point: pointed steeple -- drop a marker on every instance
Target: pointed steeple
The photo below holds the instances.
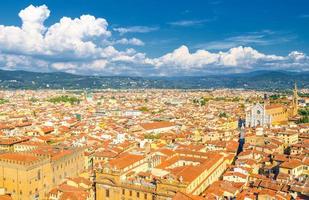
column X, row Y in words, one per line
column 295, row 100
column 85, row 95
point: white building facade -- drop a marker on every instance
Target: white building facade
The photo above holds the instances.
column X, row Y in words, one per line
column 256, row 116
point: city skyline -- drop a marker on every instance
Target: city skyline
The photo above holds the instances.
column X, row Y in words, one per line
column 154, row 100
column 145, row 38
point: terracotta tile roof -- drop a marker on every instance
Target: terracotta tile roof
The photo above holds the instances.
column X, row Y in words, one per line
column 232, row 146
column 106, row 154
column 219, row 187
column 19, row 157
column 47, row 129
column 23, row 124
column 11, row 141
column 53, row 191
column 156, row 125
column 231, row 173
column 273, row 106
column 53, row 152
column 125, row 160
column 185, row 196
column 190, row 172
column 74, row 196
column 167, row 152
column 81, row 180
column 170, row 161
column 5, row 197
column 68, row 188
column 31, row 143
column 291, row 164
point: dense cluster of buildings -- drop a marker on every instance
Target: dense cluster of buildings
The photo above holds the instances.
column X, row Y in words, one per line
column 152, row 145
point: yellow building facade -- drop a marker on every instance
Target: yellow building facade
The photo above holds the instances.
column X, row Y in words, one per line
column 33, row 175
column 111, row 184
column 279, row 114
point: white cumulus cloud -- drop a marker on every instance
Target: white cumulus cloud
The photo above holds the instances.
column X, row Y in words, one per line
column 79, row 43
column 237, row 56
column 131, row 41
column 85, row 45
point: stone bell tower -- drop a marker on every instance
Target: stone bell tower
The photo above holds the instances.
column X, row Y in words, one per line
column 294, row 109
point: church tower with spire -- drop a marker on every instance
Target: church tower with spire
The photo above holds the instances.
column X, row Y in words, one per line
column 294, row 108
column 85, row 96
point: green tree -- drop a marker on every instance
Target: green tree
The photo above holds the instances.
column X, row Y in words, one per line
column 223, row 114
column 143, row 109
column 3, row 101
column 33, row 99
column 65, row 99
column 304, row 112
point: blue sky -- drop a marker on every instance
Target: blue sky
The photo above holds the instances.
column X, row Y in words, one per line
column 140, row 37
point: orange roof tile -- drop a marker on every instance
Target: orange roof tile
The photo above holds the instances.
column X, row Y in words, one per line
column 185, row 196
column 19, row 157
column 5, row 197
column 156, row 125
column 291, row 164
column 125, row 160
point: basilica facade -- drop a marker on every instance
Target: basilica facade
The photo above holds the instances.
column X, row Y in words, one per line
column 257, row 116
column 271, row 114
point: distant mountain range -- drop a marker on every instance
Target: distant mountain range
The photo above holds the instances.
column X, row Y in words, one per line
column 264, row 80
